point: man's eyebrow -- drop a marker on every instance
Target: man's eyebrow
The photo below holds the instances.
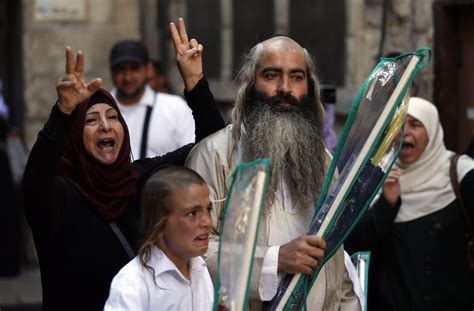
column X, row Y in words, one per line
column 275, row 69
column 279, row 69
column 297, row 70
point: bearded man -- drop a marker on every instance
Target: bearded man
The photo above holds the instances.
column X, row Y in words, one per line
column 278, row 115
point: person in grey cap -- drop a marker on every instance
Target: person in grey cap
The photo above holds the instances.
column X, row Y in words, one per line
column 158, row 122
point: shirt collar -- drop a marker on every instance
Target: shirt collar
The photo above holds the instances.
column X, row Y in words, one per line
column 147, row 98
column 161, row 263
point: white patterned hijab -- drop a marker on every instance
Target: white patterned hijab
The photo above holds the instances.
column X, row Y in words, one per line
column 425, row 184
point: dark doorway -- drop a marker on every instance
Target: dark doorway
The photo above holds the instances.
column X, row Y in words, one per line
column 454, row 68
column 320, row 27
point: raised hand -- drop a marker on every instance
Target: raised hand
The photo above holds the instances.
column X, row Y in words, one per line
column 72, row 89
column 391, row 186
column 188, row 55
column 302, row 255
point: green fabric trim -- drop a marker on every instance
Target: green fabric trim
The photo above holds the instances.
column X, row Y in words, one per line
column 366, row 275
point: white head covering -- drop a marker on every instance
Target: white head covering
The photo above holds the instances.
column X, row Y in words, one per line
column 425, row 184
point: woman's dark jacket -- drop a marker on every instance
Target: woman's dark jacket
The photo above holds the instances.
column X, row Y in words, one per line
column 419, row 264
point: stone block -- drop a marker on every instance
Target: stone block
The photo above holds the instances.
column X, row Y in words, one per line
column 423, row 19
column 401, row 8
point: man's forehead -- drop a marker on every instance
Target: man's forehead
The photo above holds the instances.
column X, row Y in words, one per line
column 292, row 59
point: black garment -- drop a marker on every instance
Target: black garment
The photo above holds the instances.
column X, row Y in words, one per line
column 9, row 215
column 419, row 264
column 78, row 252
column 470, row 149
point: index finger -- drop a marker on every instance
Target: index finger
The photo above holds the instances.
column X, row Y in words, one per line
column 394, row 173
column 182, row 31
column 69, row 60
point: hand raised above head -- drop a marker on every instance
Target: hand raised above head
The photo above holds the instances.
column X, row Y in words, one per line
column 72, row 89
column 188, row 55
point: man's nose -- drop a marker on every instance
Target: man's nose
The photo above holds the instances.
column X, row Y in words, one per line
column 127, row 75
column 284, row 85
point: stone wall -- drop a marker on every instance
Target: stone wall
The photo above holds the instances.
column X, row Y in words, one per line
column 44, row 45
column 408, row 27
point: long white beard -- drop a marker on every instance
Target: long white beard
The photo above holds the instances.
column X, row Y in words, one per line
column 293, row 141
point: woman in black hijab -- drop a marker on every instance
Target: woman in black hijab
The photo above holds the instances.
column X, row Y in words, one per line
column 81, row 187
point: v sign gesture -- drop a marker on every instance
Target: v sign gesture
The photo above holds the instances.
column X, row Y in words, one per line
column 72, row 89
column 188, row 55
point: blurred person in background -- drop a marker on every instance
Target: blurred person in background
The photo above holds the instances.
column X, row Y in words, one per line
column 158, row 122
column 328, row 99
column 9, row 209
column 158, row 81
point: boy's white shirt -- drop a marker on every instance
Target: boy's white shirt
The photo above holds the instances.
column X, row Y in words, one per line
column 133, row 287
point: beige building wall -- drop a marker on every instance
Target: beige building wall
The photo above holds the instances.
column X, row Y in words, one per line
column 44, row 42
column 409, row 26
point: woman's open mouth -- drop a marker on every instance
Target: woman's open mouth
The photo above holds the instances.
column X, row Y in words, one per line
column 106, row 143
column 407, row 149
